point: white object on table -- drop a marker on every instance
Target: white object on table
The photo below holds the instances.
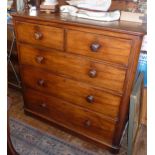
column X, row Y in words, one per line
column 101, row 16
column 99, row 5
column 50, row 2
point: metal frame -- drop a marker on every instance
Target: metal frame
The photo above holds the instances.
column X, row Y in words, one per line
column 18, row 85
column 134, row 115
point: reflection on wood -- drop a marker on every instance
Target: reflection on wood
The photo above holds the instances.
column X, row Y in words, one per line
column 140, row 146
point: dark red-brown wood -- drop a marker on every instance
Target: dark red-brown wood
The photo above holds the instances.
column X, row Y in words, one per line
column 83, row 69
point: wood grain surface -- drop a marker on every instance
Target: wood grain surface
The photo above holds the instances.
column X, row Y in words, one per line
column 91, row 88
column 40, row 35
column 77, row 68
column 75, row 118
column 73, row 92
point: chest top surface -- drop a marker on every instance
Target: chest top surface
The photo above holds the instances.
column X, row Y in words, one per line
column 132, row 28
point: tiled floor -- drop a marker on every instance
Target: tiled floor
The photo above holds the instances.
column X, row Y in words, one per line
column 16, row 111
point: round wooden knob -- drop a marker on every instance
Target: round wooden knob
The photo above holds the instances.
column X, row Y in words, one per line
column 87, row 123
column 38, row 35
column 95, row 47
column 40, row 59
column 43, row 105
column 92, row 73
column 41, row 82
column 90, row 99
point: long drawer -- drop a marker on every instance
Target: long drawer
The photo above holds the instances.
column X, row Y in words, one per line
column 40, row 35
column 79, row 120
column 102, row 47
column 71, row 91
column 79, row 68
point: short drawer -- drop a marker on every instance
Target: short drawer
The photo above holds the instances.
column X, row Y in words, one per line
column 40, row 35
column 85, row 70
column 99, row 46
column 70, row 116
column 72, row 91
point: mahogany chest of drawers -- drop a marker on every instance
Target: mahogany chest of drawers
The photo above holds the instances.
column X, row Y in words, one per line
column 78, row 73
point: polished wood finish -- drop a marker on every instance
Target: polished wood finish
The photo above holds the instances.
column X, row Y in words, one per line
column 124, row 108
column 83, row 121
column 40, row 35
column 16, row 111
column 75, row 67
column 72, row 91
column 97, row 46
column 82, row 69
column 121, row 29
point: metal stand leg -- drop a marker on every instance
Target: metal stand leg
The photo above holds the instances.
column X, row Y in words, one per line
column 11, row 64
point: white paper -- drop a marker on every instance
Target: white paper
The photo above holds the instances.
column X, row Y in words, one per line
column 101, row 16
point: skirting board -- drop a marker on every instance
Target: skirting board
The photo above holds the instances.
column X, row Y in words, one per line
column 133, row 17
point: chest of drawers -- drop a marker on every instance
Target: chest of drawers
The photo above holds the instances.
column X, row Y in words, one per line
column 78, row 73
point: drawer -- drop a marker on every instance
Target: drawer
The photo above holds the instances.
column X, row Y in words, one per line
column 40, row 35
column 71, row 91
column 99, row 46
column 79, row 68
column 87, row 123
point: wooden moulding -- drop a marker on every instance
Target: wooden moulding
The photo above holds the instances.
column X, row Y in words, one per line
column 131, row 32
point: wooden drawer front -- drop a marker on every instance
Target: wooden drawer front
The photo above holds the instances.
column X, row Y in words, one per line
column 73, row 92
column 40, row 35
column 98, row 46
column 75, row 118
column 85, row 70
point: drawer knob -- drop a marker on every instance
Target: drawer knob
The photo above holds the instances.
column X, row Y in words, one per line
column 41, row 82
column 38, row 35
column 95, row 47
column 92, row 73
column 90, row 98
column 43, row 105
column 40, row 59
column 87, row 123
